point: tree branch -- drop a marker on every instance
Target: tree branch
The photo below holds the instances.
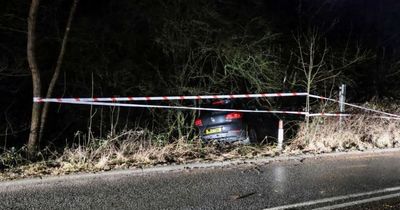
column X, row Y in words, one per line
column 57, row 69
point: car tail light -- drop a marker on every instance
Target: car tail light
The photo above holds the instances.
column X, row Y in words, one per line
column 234, row 116
column 198, row 122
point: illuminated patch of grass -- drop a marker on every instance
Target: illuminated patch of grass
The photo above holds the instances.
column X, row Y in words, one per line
column 131, row 149
column 354, row 133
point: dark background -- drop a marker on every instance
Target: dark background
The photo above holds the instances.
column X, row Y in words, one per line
column 141, row 48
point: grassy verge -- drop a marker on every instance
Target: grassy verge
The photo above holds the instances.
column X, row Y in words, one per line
column 354, row 133
column 130, row 149
column 140, row 148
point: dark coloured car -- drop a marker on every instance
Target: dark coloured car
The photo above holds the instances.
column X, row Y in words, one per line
column 232, row 127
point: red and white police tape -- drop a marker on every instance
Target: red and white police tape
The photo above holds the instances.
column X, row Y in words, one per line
column 355, row 106
column 182, row 107
column 169, row 98
column 106, row 102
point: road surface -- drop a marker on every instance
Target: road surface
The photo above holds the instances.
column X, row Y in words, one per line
column 344, row 182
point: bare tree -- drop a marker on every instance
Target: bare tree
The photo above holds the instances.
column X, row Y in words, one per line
column 320, row 63
column 39, row 115
column 312, row 59
column 57, row 69
column 36, row 83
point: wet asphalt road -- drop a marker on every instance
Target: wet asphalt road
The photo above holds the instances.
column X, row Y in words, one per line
column 248, row 186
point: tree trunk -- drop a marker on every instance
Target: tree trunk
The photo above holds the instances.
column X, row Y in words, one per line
column 36, row 84
column 57, row 69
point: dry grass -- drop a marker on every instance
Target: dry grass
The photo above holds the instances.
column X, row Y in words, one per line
column 355, row 133
column 141, row 148
column 130, row 149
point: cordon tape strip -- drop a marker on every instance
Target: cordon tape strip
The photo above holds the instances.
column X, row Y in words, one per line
column 183, row 107
column 169, row 98
column 356, row 106
column 105, row 102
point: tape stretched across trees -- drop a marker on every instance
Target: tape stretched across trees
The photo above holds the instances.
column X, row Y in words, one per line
column 355, row 106
column 182, row 107
column 169, row 98
column 112, row 101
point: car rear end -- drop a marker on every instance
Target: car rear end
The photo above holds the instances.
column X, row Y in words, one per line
column 222, row 126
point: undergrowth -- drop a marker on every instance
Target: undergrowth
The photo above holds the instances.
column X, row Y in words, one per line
column 142, row 148
column 358, row 132
column 129, row 149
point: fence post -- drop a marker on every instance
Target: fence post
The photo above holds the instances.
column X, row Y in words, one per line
column 342, row 100
column 280, row 135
